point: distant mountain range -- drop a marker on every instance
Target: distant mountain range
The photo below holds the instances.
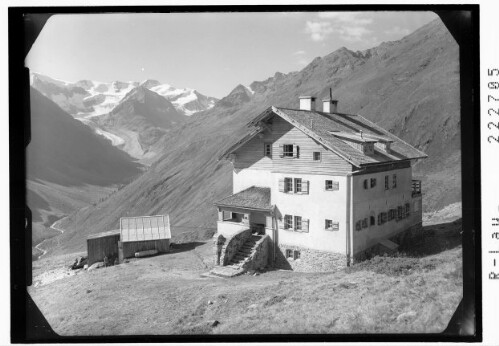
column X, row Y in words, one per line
column 87, row 98
column 132, row 115
column 409, row 86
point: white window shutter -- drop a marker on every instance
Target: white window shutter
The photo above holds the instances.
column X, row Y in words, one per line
column 280, row 223
column 304, row 225
column 281, row 150
column 295, row 151
column 304, row 186
column 336, row 185
column 281, row 185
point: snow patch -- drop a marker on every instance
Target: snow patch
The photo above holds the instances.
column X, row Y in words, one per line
column 249, row 89
column 115, row 140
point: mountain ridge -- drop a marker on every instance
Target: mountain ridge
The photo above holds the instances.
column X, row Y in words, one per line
column 410, row 87
column 87, row 98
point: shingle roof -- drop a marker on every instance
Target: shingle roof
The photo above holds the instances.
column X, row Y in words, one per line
column 252, row 198
column 321, row 126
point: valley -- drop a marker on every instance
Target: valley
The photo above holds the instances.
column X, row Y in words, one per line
column 410, row 87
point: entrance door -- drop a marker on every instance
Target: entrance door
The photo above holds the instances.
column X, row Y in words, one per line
column 258, row 228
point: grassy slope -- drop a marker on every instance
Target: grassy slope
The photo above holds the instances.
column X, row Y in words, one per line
column 418, row 292
column 410, row 87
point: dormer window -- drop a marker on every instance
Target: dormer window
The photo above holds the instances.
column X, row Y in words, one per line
column 368, row 148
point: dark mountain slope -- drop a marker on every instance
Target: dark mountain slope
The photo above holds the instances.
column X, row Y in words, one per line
column 68, row 166
column 410, row 87
column 66, row 152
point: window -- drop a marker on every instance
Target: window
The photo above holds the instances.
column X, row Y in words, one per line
column 332, row 185
column 298, row 185
column 383, row 217
column 289, row 253
column 329, row 184
column 294, row 223
column 268, row 149
column 298, row 225
column 358, row 225
column 373, row 182
column 364, row 223
column 317, row 155
column 387, row 182
column 288, row 222
column 329, row 224
column 368, row 148
column 366, row 184
column 373, row 221
column 400, row 213
column 296, row 254
column 394, row 181
column 391, row 214
column 407, row 209
column 287, row 150
column 332, row 226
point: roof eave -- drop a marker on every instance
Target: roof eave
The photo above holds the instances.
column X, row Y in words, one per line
column 242, row 207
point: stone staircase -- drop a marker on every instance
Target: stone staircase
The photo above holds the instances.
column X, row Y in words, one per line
column 235, row 266
column 244, row 252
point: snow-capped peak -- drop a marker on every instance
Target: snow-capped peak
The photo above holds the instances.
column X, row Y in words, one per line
column 98, row 98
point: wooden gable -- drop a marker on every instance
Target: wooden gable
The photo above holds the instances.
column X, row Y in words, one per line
column 279, row 133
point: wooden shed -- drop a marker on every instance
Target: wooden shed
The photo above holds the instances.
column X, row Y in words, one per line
column 144, row 233
column 102, row 244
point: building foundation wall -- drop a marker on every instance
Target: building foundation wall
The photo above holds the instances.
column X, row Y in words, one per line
column 310, row 260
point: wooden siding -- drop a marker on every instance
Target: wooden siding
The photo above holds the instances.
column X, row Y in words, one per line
column 98, row 247
column 130, row 248
column 251, row 155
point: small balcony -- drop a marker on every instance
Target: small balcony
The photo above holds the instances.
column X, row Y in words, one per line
column 416, row 188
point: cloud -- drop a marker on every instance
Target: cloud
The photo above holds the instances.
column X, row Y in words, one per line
column 351, row 18
column 318, row 30
column 350, row 26
column 299, row 52
column 397, row 31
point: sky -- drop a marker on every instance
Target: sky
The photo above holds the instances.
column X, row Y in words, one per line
column 210, row 52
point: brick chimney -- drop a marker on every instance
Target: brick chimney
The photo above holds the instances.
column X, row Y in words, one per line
column 307, row 103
